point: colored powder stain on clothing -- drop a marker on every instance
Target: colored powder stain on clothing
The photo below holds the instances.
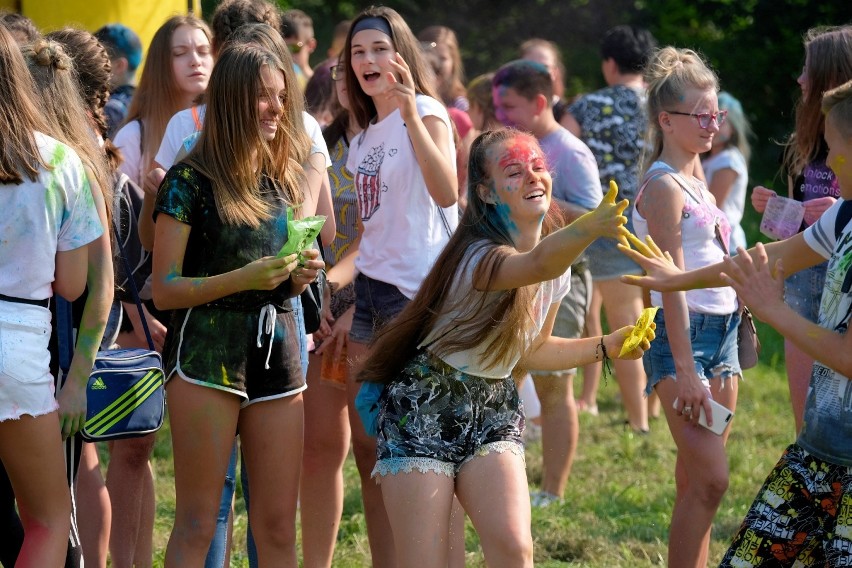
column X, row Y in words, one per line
column 225, row 380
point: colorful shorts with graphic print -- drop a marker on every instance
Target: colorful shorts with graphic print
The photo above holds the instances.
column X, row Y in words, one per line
column 802, row 517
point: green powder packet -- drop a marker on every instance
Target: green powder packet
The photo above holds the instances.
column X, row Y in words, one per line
column 300, row 234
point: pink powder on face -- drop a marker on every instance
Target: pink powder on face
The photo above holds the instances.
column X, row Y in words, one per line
column 521, row 149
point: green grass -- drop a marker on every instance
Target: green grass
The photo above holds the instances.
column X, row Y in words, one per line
column 619, row 497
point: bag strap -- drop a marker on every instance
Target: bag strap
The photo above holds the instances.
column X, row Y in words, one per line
column 132, row 283
column 197, row 118
column 65, row 334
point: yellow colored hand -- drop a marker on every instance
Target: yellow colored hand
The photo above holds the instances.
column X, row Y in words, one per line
column 640, row 330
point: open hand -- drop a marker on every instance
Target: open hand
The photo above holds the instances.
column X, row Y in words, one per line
column 401, row 89
column 759, row 287
column 657, row 264
column 607, row 220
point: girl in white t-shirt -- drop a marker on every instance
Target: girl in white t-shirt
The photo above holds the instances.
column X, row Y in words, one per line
column 726, row 167
column 450, row 419
column 44, row 253
column 405, row 180
column 695, row 359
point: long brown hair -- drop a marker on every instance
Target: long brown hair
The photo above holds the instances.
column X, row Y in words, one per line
column 93, row 66
column 670, row 72
column 828, row 58
column 19, row 116
column 452, row 86
column 268, row 38
column 231, row 151
column 362, row 106
column 505, row 314
column 62, row 105
column 158, row 97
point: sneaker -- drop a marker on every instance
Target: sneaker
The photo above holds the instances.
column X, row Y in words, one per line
column 542, row 499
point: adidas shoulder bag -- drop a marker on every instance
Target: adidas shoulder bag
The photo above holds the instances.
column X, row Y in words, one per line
column 125, row 393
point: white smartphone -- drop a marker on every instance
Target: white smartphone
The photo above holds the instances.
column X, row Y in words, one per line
column 721, row 417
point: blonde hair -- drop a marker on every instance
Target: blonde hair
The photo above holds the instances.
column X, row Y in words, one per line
column 158, row 97
column 63, row 107
column 837, row 106
column 19, row 116
column 669, row 74
column 231, row 151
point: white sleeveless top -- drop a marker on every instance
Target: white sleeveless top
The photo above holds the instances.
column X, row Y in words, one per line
column 701, row 247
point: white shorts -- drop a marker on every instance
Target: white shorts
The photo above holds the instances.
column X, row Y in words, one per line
column 26, row 385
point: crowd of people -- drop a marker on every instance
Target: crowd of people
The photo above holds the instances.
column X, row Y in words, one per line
column 472, row 243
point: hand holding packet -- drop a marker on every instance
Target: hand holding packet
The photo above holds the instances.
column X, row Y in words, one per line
column 301, row 233
column 640, row 330
column 782, row 217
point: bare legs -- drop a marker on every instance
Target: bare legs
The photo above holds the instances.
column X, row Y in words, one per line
column 131, row 491
column 560, row 430
column 364, row 447
column 588, row 400
column 93, row 508
column 493, row 489
column 701, row 476
column 623, row 304
column 31, row 451
column 204, row 421
column 326, row 446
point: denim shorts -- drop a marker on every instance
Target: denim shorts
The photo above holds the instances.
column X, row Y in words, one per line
column 803, row 291
column 714, row 348
column 376, row 303
column 571, row 317
column 437, row 418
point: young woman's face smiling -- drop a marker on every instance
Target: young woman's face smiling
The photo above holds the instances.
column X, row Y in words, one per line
column 520, row 183
column 684, row 129
column 371, row 51
column 270, row 104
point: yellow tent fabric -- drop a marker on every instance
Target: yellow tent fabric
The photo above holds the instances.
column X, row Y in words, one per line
column 142, row 17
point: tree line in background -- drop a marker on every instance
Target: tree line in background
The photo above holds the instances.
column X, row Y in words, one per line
column 754, row 45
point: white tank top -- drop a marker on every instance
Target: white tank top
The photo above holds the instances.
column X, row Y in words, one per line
column 701, row 247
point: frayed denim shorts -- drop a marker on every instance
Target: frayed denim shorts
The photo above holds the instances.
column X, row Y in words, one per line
column 437, row 418
column 714, row 348
column 803, row 291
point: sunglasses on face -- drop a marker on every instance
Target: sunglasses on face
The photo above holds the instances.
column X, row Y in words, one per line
column 338, row 72
column 705, row 118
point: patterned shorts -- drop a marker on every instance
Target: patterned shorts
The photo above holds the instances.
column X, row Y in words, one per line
column 802, row 517
column 437, row 418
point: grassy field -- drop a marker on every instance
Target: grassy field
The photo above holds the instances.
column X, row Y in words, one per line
column 619, row 498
